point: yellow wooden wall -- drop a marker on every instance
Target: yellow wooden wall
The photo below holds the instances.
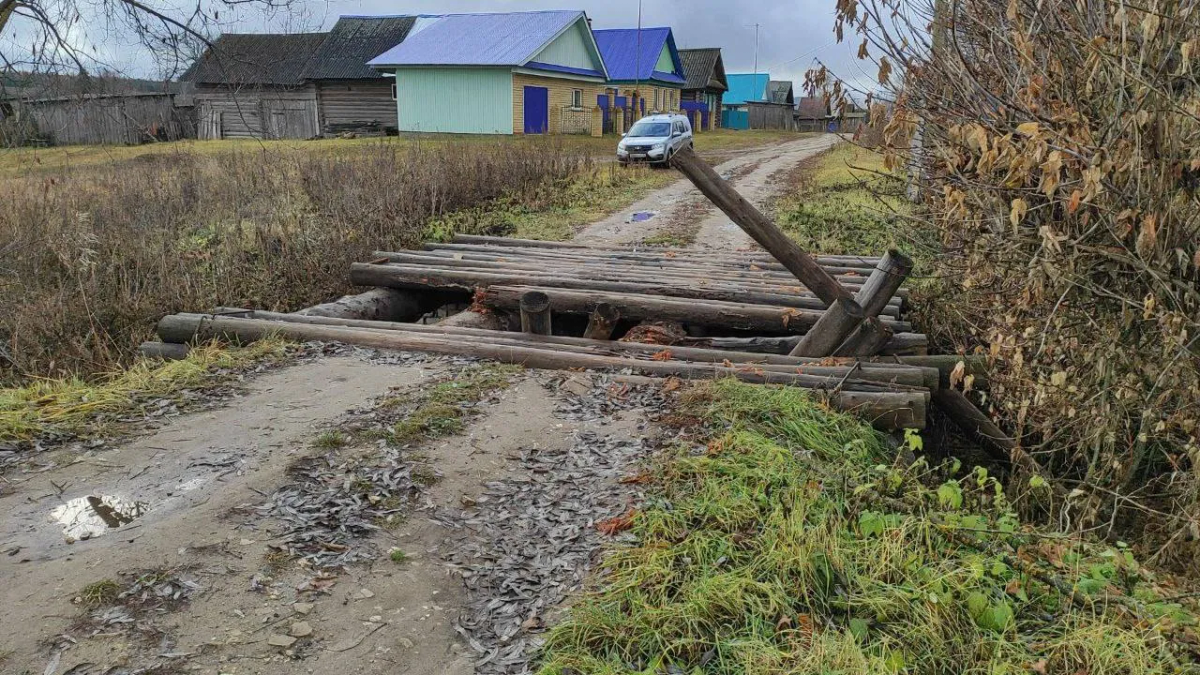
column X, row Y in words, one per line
column 560, row 97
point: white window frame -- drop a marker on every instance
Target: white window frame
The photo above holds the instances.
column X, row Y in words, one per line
column 394, row 92
column 577, row 99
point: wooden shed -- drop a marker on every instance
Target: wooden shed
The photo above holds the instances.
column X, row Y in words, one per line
column 253, row 86
column 706, row 84
column 351, row 96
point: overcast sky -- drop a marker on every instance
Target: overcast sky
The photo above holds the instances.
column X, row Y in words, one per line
column 792, row 33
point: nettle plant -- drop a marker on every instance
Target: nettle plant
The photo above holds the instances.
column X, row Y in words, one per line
column 1055, row 144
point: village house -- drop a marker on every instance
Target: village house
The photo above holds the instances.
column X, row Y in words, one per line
column 501, row 73
column 704, row 70
column 780, row 92
column 644, row 68
column 812, row 113
column 744, row 88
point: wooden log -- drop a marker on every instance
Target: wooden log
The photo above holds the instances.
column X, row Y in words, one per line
column 603, row 322
column 380, row 304
column 868, row 339
column 975, row 424
column 783, row 284
column 508, row 242
column 884, row 410
column 845, row 274
column 167, row 351
column 905, row 409
column 883, row 283
column 900, row 344
column 419, row 277
column 884, row 372
column 831, row 330
column 535, row 313
column 974, row 366
column 760, row 228
column 472, row 319
column 762, row 318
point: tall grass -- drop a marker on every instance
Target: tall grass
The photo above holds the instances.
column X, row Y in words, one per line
column 91, row 257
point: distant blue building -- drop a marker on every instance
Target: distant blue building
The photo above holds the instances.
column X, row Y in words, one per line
column 743, row 88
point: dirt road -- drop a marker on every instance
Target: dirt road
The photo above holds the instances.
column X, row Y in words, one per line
column 681, row 205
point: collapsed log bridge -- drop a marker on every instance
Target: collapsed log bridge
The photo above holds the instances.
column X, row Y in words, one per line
column 833, row 325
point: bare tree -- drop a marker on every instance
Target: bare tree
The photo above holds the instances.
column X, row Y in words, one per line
column 60, row 36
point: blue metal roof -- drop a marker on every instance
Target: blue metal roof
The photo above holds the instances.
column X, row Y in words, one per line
column 496, row 39
column 746, row 87
column 619, row 47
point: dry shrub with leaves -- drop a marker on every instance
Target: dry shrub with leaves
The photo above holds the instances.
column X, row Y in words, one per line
column 1057, row 149
column 90, row 258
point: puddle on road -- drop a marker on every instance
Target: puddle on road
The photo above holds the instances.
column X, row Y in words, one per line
column 94, row 516
column 642, row 216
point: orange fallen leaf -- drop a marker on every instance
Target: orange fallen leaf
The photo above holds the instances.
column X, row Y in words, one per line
column 664, row 355
column 614, row 526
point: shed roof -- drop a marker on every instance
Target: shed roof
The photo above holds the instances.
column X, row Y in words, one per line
column 780, row 91
column 745, row 87
column 352, row 42
column 484, row 39
column 627, row 63
column 703, row 68
column 246, row 58
column 812, row 108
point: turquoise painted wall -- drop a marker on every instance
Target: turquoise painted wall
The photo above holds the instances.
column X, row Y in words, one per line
column 455, row 100
column 572, row 49
column 665, row 64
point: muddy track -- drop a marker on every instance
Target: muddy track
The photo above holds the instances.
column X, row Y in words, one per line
column 750, row 173
column 489, row 548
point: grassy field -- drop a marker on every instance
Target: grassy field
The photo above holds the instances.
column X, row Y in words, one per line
column 100, row 242
column 795, row 540
column 22, row 161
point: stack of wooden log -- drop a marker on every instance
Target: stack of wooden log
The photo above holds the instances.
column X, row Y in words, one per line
column 830, row 324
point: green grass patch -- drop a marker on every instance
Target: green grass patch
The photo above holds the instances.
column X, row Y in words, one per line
column 795, row 543
column 439, row 410
column 75, row 408
column 100, row 593
column 331, row 440
column 846, row 202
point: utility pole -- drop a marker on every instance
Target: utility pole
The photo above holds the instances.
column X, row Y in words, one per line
column 754, row 82
column 637, row 66
column 756, row 51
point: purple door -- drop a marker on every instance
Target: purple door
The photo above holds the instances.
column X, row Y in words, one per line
column 537, row 110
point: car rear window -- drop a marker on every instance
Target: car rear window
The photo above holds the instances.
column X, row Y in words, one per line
column 651, row 129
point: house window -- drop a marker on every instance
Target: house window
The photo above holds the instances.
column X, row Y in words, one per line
column 672, row 99
column 393, row 91
column 576, row 98
column 657, row 99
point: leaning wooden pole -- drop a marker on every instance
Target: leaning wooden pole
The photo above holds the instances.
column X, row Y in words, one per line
column 843, row 314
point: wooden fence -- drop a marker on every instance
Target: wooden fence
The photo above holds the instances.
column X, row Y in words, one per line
column 771, row 116
column 118, row 119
